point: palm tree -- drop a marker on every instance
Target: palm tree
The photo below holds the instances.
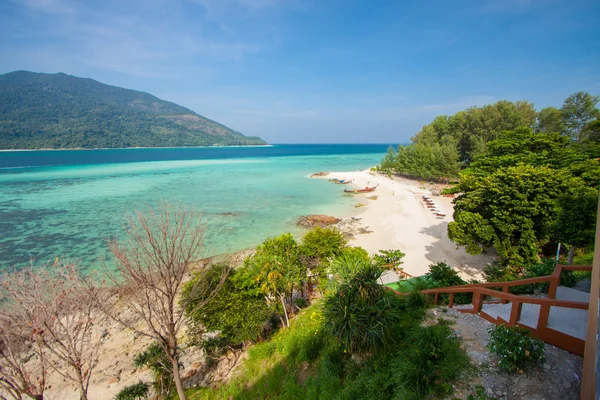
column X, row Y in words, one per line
column 361, row 314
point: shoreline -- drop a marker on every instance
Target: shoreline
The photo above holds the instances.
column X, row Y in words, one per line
column 130, row 148
column 398, row 219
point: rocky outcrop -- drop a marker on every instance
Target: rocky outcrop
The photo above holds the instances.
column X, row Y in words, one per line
column 203, row 374
column 313, row 220
column 319, row 174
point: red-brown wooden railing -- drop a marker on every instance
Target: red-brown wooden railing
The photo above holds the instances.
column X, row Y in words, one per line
column 542, row 330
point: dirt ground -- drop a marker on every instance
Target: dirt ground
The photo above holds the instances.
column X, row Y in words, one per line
column 558, row 378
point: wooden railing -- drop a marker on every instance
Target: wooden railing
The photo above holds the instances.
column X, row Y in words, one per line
column 404, row 275
column 542, row 330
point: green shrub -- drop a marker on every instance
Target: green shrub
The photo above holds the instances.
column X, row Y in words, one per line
column 276, row 268
column 301, row 302
column 501, row 272
column 138, row 391
column 237, row 311
column 155, row 358
column 516, row 348
column 347, row 264
column 389, row 259
column 442, row 275
column 361, row 315
column 415, row 301
column 322, row 244
column 430, row 361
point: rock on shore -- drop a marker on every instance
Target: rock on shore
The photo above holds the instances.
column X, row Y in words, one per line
column 313, row 220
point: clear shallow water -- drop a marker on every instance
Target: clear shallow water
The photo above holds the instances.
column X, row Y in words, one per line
column 66, row 203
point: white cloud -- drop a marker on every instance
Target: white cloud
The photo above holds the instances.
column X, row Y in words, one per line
column 156, row 43
column 48, row 6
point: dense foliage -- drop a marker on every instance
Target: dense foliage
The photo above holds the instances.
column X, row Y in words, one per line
column 63, row 111
column 278, row 272
column 442, row 275
column 137, row 391
column 319, row 247
column 237, row 312
column 362, row 313
column 427, row 367
column 503, row 272
column 303, row 362
column 512, row 210
column 441, row 149
column 528, row 189
column 423, row 161
column 516, row 349
column 526, row 180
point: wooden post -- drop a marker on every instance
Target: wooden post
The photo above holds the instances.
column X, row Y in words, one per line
column 504, row 290
column 554, row 281
column 435, row 299
column 588, row 379
column 515, row 313
column 451, row 301
column 543, row 317
column 477, row 300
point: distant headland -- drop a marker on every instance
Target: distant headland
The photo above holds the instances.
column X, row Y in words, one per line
column 59, row 111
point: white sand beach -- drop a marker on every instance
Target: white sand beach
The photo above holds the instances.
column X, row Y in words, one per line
column 400, row 220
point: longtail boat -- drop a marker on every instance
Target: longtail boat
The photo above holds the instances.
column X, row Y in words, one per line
column 365, row 190
column 340, row 181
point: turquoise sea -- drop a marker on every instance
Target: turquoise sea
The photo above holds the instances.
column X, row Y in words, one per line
column 66, row 203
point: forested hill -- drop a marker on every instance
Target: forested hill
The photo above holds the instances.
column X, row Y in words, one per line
column 63, row 111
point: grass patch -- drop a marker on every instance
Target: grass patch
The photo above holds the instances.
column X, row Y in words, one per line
column 303, row 363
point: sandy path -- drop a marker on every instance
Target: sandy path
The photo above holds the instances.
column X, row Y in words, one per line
column 400, row 220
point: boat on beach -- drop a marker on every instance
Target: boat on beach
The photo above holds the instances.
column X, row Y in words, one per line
column 340, row 181
column 365, row 190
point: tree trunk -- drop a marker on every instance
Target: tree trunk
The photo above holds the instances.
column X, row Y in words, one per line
column 292, row 303
column 82, row 391
column 571, row 254
column 177, row 378
column 287, row 320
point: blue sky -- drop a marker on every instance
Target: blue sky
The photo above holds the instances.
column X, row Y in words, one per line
column 307, row 71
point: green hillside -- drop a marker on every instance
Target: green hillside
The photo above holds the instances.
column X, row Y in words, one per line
column 62, row 111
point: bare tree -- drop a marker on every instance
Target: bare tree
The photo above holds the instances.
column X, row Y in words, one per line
column 19, row 343
column 50, row 310
column 152, row 261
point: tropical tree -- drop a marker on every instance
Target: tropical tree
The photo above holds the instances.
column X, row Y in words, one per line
column 578, row 110
column 361, row 315
column 237, row 312
column 550, row 119
column 524, row 146
column 576, row 221
column 389, row 259
column 512, row 209
column 278, row 271
column 319, row 247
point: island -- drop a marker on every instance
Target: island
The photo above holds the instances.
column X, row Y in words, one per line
column 60, row 111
